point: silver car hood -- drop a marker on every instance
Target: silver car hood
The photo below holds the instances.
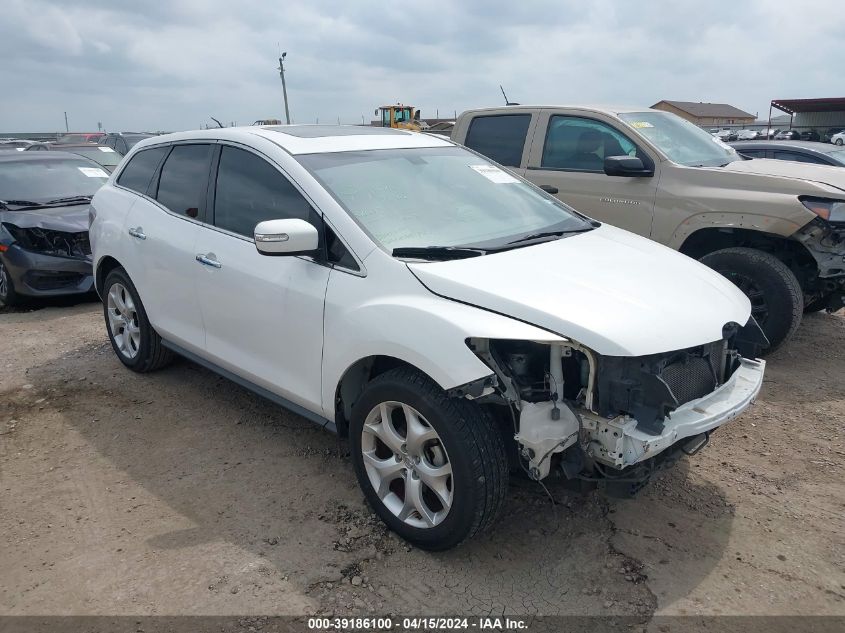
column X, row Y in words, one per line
column 615, row 292
column 71, row 219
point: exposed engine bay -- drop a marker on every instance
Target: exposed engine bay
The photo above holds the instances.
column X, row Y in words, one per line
column 610, row 417
column 50, row 242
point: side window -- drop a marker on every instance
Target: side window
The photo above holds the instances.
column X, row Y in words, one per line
column 250, row 190
column 184, row 179
column 580, row 144
column 337, row 252
column 753, row 153
column 499, row 137
column 120, row 145
column 139, row 172
column 799, row 158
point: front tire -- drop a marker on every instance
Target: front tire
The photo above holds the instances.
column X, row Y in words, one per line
column 777, row 301
column 839, row 142
column 133, row 339
column 433, row 468
column 8, row 296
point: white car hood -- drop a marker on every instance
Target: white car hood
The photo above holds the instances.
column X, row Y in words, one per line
column 615, row 292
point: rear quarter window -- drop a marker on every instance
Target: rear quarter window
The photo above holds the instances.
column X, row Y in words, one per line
column 500, row 137
column 139, row 172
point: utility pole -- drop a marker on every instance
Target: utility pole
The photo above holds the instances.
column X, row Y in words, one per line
column 67, row 129
column 284, row 87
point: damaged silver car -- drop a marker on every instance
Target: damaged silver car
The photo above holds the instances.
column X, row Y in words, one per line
column 44, row 247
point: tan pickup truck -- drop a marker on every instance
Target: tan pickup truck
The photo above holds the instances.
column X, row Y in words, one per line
column 775, row 228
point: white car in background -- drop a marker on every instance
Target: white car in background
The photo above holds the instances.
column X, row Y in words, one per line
column 455, row 321
column 838, row 139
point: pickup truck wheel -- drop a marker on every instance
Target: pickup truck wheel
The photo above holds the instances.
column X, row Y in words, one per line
column 777, row 301
column 136, row 343
column 8, row 296
column 434, row 468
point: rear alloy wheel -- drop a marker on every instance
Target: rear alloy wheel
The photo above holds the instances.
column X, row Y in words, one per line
column 8, row 296
column 434, row 468
column 839, row 142
column 777, row 301
column 136, row 343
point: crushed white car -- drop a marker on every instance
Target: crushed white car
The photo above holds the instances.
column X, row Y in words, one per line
column 456, row 322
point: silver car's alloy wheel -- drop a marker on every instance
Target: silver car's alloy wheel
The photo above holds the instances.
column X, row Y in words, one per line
column 407, row 464
column 4, row 281
column 123, row 321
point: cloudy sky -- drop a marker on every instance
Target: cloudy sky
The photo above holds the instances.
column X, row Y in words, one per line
column 170, row 65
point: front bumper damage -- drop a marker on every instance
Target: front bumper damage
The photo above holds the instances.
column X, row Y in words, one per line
column 826, row 244
column 619, row 443
column 620, row 418
column 39, row 275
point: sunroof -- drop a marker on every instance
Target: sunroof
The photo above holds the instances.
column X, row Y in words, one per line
column 317, row 131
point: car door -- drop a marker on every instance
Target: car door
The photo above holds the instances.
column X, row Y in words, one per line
column 263, row 314
column 568, row 153
column 162, row 229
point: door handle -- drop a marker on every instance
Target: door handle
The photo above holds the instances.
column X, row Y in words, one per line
column 139, row 233
column 549, row 189
column 202, row 259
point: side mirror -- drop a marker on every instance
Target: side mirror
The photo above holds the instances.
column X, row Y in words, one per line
column 626, row 166
column 286, row 237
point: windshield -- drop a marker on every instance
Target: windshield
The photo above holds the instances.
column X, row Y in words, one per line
column 681, row 141
column 437, row 197
column 838, row 155
column 103, row 155
column 49, row 179
column 134, row 139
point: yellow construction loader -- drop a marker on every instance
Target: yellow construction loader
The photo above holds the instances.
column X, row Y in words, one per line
column 399, row 116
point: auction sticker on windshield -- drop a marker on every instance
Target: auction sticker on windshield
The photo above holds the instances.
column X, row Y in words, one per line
column 640, row 124
column 93, row 172
column 494, row 174
column 105, row 149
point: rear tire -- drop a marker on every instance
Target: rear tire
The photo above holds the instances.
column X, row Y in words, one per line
column 8, row 296
column 840, row 142
column 460, row 438
column 777, row 301
column 133, row 339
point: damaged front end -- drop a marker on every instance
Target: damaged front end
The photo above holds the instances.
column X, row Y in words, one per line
column 47, row 254
column 618, row 419
column 824, row 239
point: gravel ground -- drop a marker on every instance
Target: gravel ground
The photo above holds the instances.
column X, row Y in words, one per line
column 181, row 493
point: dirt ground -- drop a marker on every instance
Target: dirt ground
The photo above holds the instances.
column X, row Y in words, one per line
column 180, row 493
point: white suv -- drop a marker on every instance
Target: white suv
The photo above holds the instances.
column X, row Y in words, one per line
column 455, row 321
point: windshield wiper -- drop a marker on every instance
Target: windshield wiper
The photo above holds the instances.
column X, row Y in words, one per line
column 438, row 252
column 544, row 234
column 71, row 200
column 20, row 203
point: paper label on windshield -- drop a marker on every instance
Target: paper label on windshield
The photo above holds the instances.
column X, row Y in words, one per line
column 93, row 172
column 640, row 124
column 494, row 174
column 105, row 149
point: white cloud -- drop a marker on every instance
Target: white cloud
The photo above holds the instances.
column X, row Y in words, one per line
column 172, row 65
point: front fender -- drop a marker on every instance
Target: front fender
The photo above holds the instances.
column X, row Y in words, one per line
column 419, row 328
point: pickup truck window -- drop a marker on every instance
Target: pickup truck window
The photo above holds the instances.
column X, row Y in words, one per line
column 500, row 137
column 581, row 144
column 681, row 141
